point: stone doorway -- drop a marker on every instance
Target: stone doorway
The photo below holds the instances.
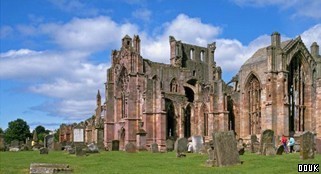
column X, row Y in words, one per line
column 170, row 119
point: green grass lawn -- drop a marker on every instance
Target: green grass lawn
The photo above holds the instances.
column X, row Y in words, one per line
column 146, row 162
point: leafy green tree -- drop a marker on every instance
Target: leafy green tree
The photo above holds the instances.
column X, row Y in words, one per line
column 1, row 131
column 56, row 135
column 17, row 130
column 41, row 132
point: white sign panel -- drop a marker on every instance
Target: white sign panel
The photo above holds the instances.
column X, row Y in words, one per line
column 78, row 135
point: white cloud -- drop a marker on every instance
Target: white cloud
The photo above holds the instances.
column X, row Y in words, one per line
column 71, row 80
column 306, row 8
column 64, row 76
column 89, row 34
column 311, row 35
column 143, row 14
column 157, row 48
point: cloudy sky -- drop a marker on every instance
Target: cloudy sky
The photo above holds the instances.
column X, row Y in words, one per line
column 54, row 53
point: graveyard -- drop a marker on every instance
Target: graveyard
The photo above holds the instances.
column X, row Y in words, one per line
column 146, row 162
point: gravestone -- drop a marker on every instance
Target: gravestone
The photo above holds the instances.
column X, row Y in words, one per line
column 40, row 168
column 169, row 145
column 266, row 138
column 43, row 150
column 318, row 145
column 197, row 143
column 255, row 145
column 269, row 149
column 181, row 146
column 141, row 139
column 92, row 148
column 130, row 148
column 280, row 150
column 79, row 151
column 225, row 149
column 154, row 148
column 49, row 141
column 307, row 145
column 115, row 145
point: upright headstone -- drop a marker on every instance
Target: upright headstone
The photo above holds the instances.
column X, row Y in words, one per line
column 197, row 142
column 266, row 138
column 307, row 145
column 115, row 145
column 79, row 151
column 130, row 147
column 255, row 145
column 169, row 145
column 269, row 149
column 181, row 146
column 141, row 139
column 225, row 149
column 49, row 141
column 154, row 148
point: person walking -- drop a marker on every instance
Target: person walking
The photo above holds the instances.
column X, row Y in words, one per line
column 284, row 141
column 291, row 143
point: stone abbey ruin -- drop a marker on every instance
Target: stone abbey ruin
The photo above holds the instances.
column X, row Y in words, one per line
column 278, row 88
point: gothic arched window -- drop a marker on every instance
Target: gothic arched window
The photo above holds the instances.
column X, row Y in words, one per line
column 253, row 96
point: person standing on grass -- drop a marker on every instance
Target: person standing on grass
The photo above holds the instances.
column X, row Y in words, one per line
column 291, row 143
column 284, row 141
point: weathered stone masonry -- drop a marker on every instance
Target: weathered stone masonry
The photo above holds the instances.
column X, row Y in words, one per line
column 278, row 88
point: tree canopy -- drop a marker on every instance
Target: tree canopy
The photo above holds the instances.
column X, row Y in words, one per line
column 17, row 130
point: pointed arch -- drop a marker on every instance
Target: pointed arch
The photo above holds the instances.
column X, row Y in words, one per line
column 253, row 103
column 300, row 74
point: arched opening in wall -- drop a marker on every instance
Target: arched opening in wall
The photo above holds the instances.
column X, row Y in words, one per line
column 202, row 54
column 173, row 85
column 189, row 94
column 187, row 121
column 204, row 114
column 253, row 104
column 170, row 119
column 191, row 53
column 231, row 116
column 192, row 82
column 296, row 91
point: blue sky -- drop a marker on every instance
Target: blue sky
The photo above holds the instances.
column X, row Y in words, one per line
column 54, row 53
